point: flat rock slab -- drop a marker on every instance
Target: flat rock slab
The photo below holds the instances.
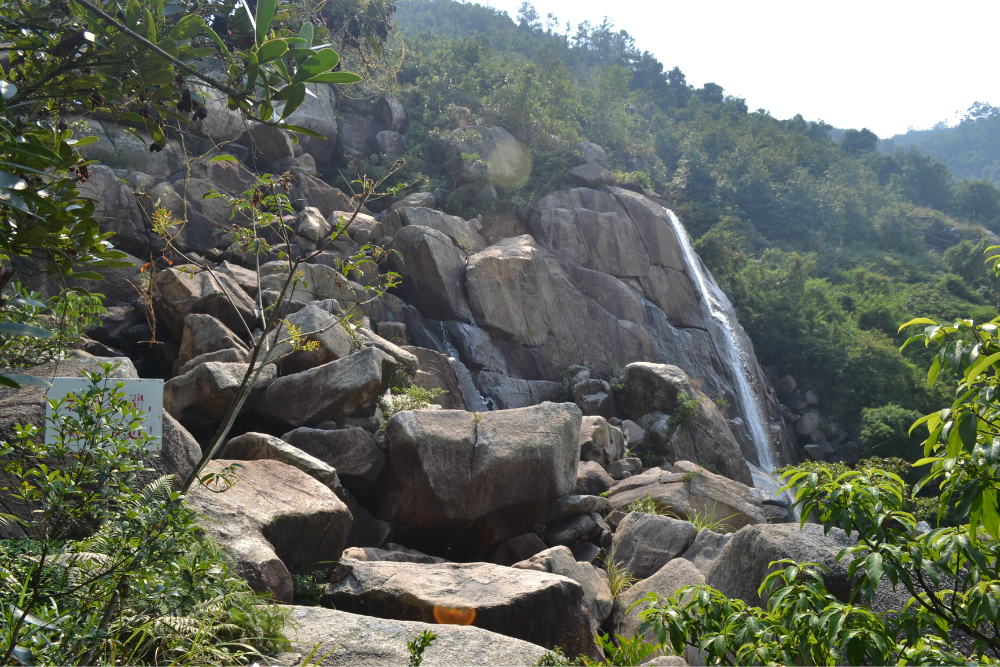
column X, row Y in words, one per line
column 538, row 607
column 364, row 641
column 275, row 520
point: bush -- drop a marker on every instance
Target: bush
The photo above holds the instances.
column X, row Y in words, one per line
column 108, row 571
column 885, row 433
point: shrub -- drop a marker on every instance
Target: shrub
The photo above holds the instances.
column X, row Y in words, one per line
column 107, row 570
column 885, row 433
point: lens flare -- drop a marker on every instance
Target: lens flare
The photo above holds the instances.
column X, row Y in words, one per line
column 454, row 615
column 509, row 163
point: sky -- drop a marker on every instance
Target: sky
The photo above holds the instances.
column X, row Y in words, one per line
column 880, row 64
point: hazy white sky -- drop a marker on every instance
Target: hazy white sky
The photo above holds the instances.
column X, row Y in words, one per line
column 880, row 64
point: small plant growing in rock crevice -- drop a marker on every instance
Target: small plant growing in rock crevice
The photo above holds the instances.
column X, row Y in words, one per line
column 685, row 409
column 703, row 520
column 619, row 578
column 418, row 645
column 645, row 505
column 407, row 398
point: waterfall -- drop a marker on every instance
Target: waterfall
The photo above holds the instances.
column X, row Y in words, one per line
column 719, row 311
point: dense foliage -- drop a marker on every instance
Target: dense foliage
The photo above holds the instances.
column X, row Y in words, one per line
column 819, row 244
column 107, row 569
column 969, row 149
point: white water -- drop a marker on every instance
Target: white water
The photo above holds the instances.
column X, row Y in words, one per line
column 719, row 310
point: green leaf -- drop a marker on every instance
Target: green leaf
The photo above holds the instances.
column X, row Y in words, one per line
column 155, row 133
column 84, row 141
column 919, row 320
column 335, row 77
column 295, row 99
column 981, row 365
column 306, row 32
column 188, row 27
column 321, row 61
column 18, row 380
column 272, row 50
column 298, row 129
column 191, row 54
column 873, row 568
column 265, row 14
column 18, row 329
column 933, row 372
column 218, row 42
column 224, row 158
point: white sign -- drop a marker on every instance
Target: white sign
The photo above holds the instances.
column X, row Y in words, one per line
column 145, row 394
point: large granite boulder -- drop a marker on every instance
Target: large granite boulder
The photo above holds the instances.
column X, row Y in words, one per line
column 260, row 446
column 707, row 439
column 332, row 391
column 745, row 561
column 653, row 387
column 177, row 293
column 351, row 451
column 116, row 210
column 356, row 137
column 689, row 488
column 592, row 479
column 204, row 334
column 316, row 325
column 665, row 582
column 706, row 548
column 201, row 397
column 446, row 468
column 646, row 542
column 275, row 521
column 542, row 608
column 433, row 272
column 560, row 560
column 317, row 113
column 457, row 229
column 342, row 639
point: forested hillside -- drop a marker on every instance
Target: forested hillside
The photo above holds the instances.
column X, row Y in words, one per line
column 824, row 247
column 971, row 149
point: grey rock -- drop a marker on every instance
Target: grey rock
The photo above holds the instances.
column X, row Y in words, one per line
column 276, row 521
column 116, row 210
column 592, row 479
column 509, row 392
column 204, row 334
column 569, row 532
column 592, row 153
column 391, row 144
column 316, row 325
column 269, row 143
column 404, row 358
column 415, row 199
column 351, row 451
column 706, row 549
column 201, row 397
column 786, row 384
column 356, row 136
column 331, row 391
column 391, row 113
column 547, row 609
column 364, row 641
column 807, row 424
column 227, row 356
column 647, row 542
column 518, row 548
column 568, row 507
column 260, row 446
column 446, row 470
column 745, row 561
column 629, row 464
column 393, row 553
column 317, row 113
column 177, row 293
column 590, row 175
column 664, row 582
column 433, row 272
column 560, row 560
column 650, row 387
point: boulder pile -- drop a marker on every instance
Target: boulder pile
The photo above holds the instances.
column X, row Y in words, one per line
column 579, row 412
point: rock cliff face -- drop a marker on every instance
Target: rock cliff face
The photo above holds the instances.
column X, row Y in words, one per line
column 600, row 281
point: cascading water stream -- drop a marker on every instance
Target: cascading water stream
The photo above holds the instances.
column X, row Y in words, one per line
column 719, row 310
